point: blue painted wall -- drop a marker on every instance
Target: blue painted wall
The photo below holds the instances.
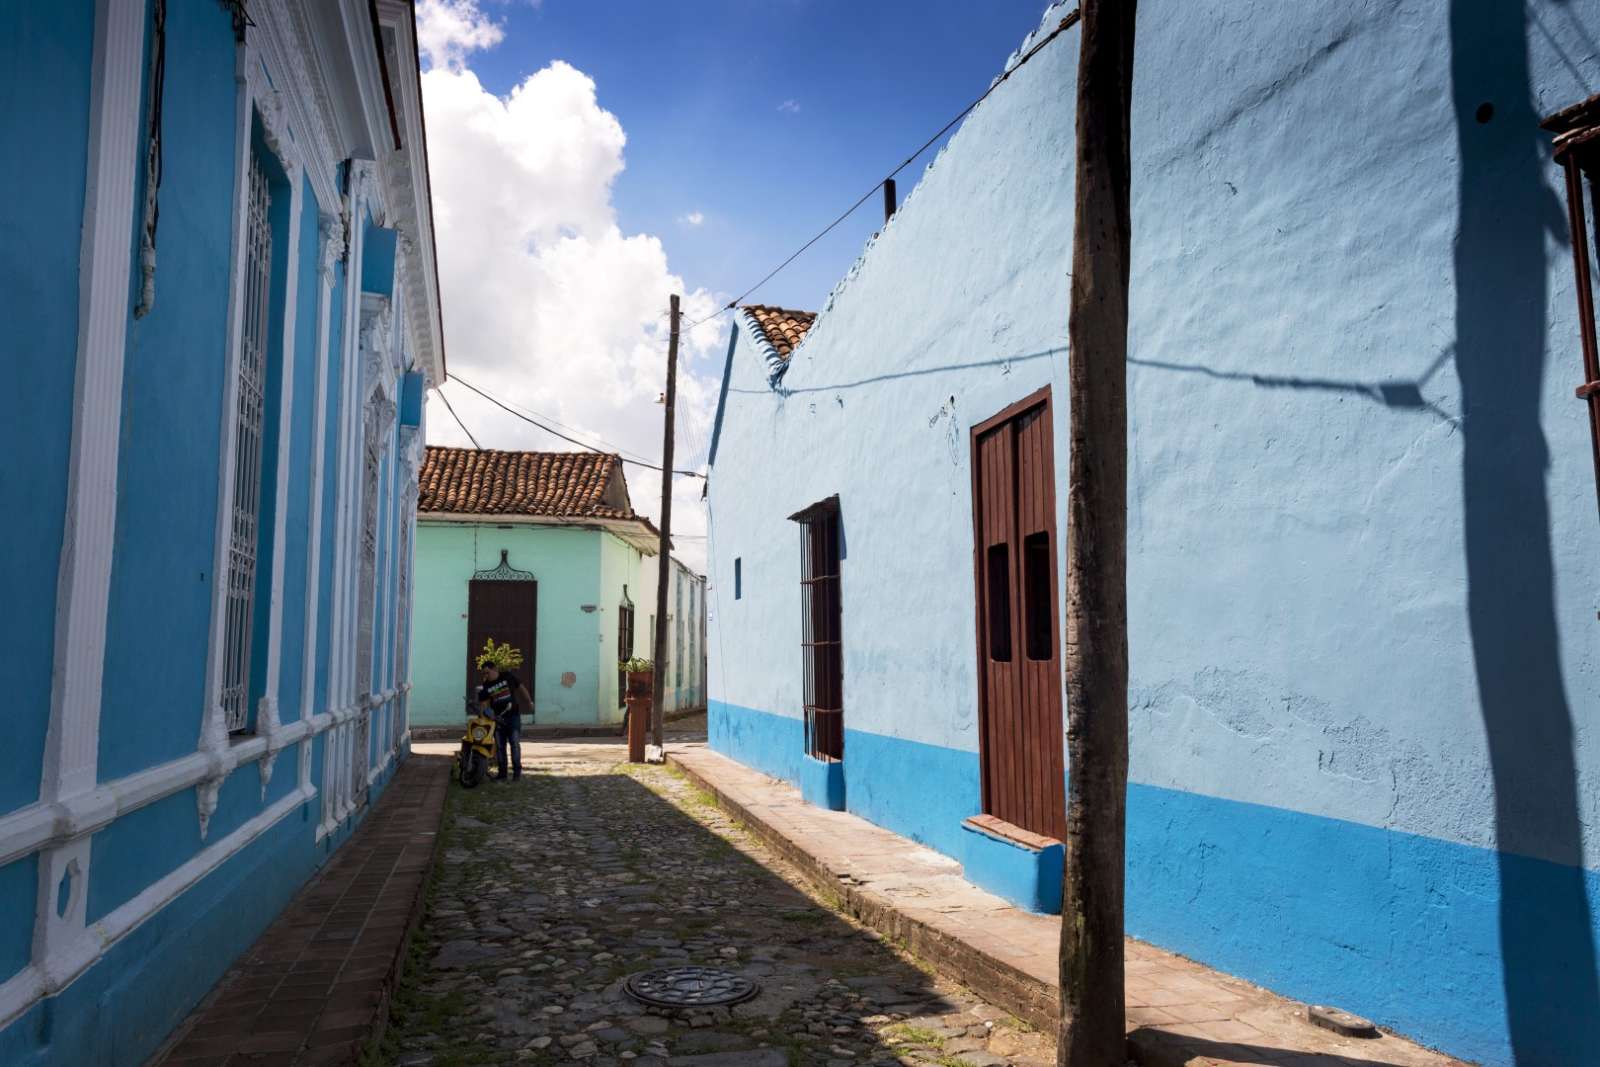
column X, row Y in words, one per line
column 171, row 417
column 1362, row 522
column 158, row 625
column 45, row 53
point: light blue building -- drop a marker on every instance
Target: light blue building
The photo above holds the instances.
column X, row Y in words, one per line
column 1363, row 543
column 217, row 279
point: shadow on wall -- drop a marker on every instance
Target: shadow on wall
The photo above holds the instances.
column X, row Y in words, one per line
column 1546, row 929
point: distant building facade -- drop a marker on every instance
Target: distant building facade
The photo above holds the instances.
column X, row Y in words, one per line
column 221, row 314
column 543, row 550
column 1364, row 731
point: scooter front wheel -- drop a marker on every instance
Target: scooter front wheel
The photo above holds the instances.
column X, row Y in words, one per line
column 473, row 769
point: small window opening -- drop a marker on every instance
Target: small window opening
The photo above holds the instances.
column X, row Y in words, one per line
column 998, row 565
column 738, row 577
column 1036, row 571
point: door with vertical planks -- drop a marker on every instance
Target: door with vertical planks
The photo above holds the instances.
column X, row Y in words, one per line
column 506, row 610
column 1019, row 659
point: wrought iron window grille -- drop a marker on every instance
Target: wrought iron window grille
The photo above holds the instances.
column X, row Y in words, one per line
column 821, row 622
column 504, row 572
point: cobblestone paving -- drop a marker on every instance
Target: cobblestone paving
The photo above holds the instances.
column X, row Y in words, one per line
column 552, row 890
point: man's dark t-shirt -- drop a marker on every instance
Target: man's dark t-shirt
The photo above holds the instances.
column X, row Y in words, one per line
column 501, row 695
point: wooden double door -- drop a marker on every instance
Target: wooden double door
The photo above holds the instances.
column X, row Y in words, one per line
column 506, row 610
column 1019, row 648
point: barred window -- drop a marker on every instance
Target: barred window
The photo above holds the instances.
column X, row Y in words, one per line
column 244, row 539
column 821, row 629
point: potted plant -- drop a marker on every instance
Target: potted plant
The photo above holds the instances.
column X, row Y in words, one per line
column 641, row 677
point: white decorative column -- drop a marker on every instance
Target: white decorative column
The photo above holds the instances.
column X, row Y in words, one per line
column 83, row 582
column 275, row 131
column 330, row 229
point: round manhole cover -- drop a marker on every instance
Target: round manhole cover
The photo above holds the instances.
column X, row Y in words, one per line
column 689, row 987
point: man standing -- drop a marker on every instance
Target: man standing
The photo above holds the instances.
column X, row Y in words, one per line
column 498, row 694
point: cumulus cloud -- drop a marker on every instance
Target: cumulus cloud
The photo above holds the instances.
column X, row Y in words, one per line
column 448, row 30
column 791, row 107
column 693, row 218
column 547, row 303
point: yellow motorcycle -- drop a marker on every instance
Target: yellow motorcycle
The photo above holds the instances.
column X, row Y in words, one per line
column 477, row 746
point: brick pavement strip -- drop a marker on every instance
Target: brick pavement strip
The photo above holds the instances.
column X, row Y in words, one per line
column 552, row 891
column 1180, row 1013
column 314, row 988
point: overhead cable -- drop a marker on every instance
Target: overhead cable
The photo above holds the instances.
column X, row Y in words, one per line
column 557, row 433
column 459, row 423
column 1066, row 23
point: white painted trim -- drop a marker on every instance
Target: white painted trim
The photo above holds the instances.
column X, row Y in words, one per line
column 632, row 531
column 267, row 721
column 331, row 231
column 46, row 978
column 51, row 824
column 213, row 727
column 83, row 585
column 83, row 577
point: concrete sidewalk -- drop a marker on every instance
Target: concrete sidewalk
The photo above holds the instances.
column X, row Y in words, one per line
column 1179, row 1012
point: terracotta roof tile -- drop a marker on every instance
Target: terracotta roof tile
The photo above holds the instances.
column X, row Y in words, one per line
column 568, row 484
column 784, row 328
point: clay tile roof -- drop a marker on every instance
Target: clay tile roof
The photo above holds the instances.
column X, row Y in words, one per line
column 784, row 328
column 488, row 482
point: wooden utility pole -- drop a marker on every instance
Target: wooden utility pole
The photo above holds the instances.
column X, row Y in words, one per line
column 1092, row 1001
column 664, row 573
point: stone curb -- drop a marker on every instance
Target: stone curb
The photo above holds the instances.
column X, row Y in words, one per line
column 380, row 1020
column 998, row 982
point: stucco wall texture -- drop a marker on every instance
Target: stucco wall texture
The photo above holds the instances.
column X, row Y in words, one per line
column 1362, row 529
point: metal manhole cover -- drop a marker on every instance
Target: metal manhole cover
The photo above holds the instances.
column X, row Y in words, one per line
column 689, row 987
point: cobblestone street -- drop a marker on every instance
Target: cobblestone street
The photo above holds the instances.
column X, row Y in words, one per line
column 552, row 890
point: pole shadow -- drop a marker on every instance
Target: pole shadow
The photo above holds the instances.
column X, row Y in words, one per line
column 1547, row 951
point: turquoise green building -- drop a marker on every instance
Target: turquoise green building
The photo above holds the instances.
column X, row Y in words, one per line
column 543, row 550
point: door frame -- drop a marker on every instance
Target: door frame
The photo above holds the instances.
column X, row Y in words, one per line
column 1040, row 396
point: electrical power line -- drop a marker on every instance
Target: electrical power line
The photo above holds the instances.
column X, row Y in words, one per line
column 557, row 433
column 459, row 423
column 524, row 409
column 1066, row 23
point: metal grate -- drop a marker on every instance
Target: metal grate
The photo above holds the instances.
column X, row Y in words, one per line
column 821, row 630
column 245, row 532
column 689, row 987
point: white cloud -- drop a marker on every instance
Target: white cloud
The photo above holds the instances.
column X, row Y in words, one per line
column 693, row 218
column 448, row 30
column 547, row 303
column 791, row 107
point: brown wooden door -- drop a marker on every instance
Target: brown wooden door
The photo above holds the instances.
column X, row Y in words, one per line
column 1019, row 665
column 505, row 611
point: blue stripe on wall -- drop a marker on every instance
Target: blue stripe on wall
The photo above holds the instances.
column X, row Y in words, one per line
column 1444, row 942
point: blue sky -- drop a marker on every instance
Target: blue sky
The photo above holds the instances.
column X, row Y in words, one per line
column 590, row 157
column 700, row 89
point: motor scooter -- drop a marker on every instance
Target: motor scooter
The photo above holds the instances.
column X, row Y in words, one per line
column 477, row 746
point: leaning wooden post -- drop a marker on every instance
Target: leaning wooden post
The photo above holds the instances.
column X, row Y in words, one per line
column 664, row 572
column 1092, row 1001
